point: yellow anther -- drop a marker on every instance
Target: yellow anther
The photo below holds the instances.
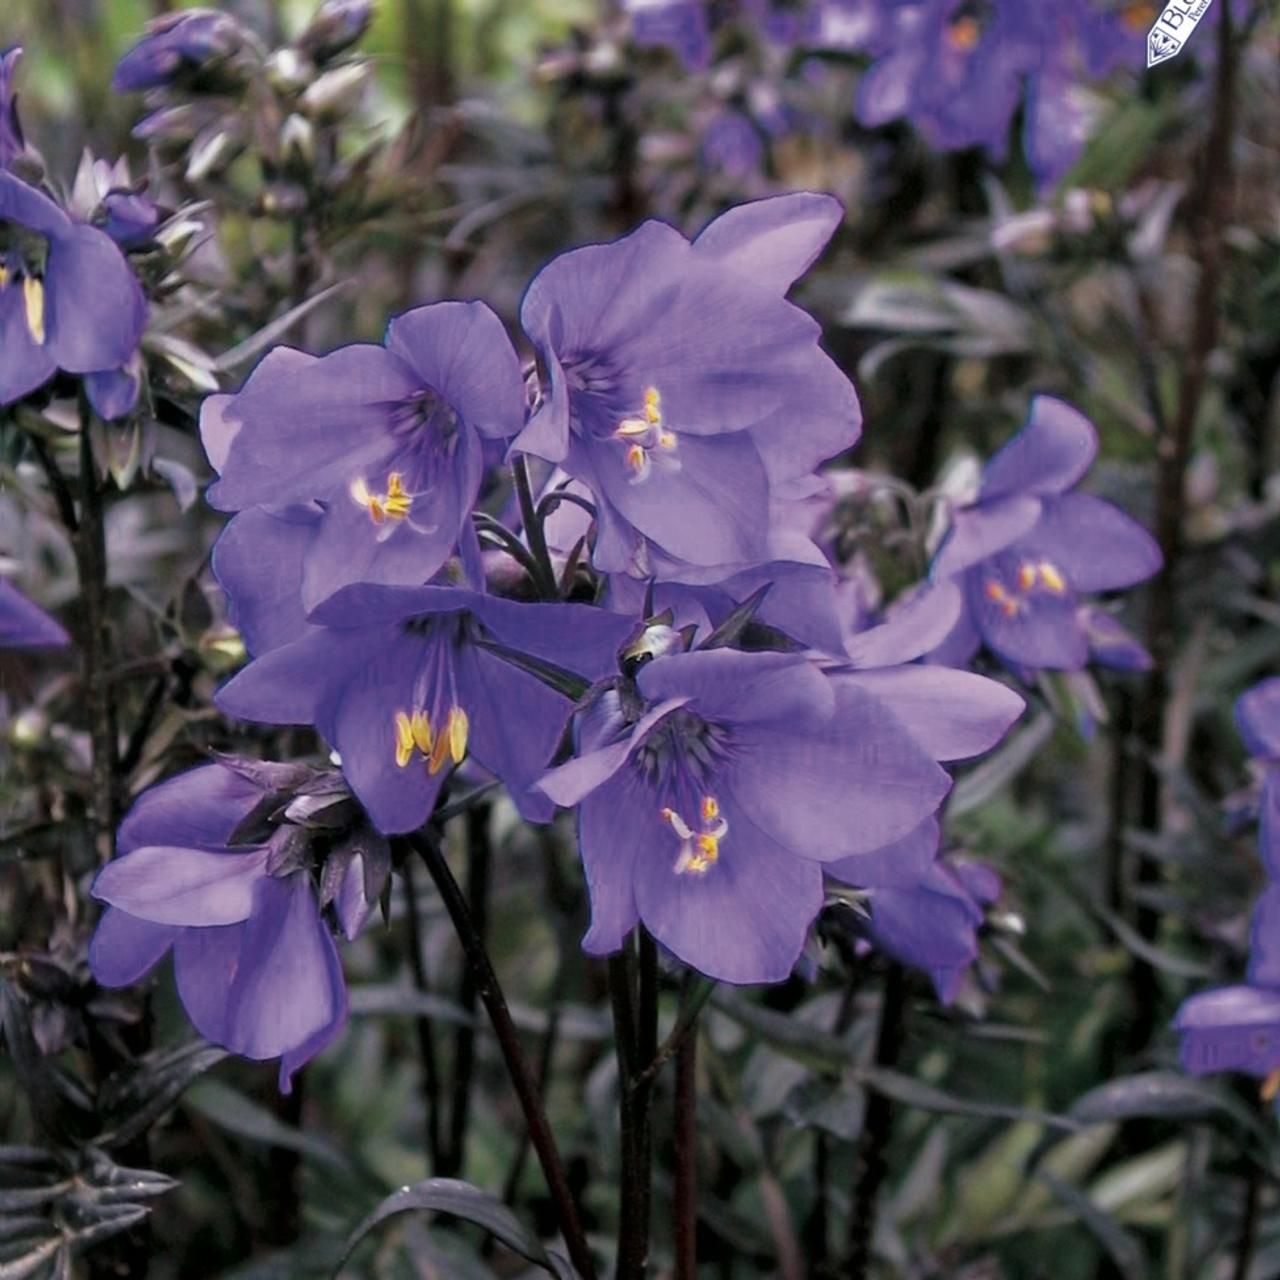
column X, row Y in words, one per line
column 33, row 296
column 667, row 440
column 638, row 459
column 631, row 427
column 1026, row 577
column 964, row 34
column 420, row 727
column 439, row 753
column 459, row 727
column 710, row 808
column 1270, row 1087
column 404, row 739
column 995, row 592
column 395, row 504
column 4, row 275
column 1052, row 578
column 653, row 405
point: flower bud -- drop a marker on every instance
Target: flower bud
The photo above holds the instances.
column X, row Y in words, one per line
column 192, row 45
column 337, row 91
column 288, row 71
column 338, row 24
column 298, row 142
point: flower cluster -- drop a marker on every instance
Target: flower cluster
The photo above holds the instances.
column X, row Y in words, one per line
column 1237, row 1028
column 735, row 742
column 957, row 69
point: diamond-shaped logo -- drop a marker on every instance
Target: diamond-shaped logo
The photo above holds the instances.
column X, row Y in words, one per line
column 1161, row 47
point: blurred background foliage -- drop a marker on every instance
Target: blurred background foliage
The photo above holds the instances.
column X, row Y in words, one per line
column 1039, row 1126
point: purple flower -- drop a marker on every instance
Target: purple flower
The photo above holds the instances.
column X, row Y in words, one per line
column 67, row 297
column 389, row 440
column 1258, row 718
column 684, row 390
column 946, row 65
column 679, row 25
column 933, row 925
column 707, row 808
column 11, row 141
column 25, row 626
column 1237, row 1028
column 186, row 43
column 1027, row 548
column 398, row 681
column 205, row 869
column 732, row 145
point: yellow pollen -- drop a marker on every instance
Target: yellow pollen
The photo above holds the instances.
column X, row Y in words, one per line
column 395, row 504
column 1052, row 578
column 631, row 427
column 710, row 808
column 636, row 457
column 459, row 727
column 964, row 34
column 653, row 405
column 404, row 739
column 1270, row 1087
column 439, row 752
column 1026, row 577
column 33, row 296
column 4, row 275
column 667, row 440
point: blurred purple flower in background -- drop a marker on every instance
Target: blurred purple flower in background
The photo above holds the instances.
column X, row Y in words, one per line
column 11, row 141
column 1258, row 717
column 203, row 871
column 24, row 625
column 187, row 43
column 1027, row 548
column 387, row 439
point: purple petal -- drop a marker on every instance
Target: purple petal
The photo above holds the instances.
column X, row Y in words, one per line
column 123, row 947
column 1258, row 718
column 462, row 351
column 853, row 785
column 773, row 241
column 1095, row 545
column 1110, row 645
column 1264, row 934
column 743, row 688
column 310, row 428
column 112, row 392
column 289, row 685
column 30, row 208
column 24, row 625
column 1042, row 631
column 1051, row 452
column 745, row 918
column 168, row 885
column 911, row 630
column 1231, row 1029
column 95, row 311
column 954, row 715
column 198, row 809
column 979, row 532
column 900, row 865
column 618, row 827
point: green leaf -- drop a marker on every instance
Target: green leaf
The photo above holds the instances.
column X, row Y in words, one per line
column 1123, row 1248
column 1164, row 1095
column 461, row 1200
column 915, row 1093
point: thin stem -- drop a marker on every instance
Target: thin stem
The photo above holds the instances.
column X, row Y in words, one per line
column 1211, row 216
column 478, row 858
column 877, row 1127
column 426, row 1033
column 630, row 1261
column 57, row 483
column 91, row 565
column 1248, row 1222
column 686, row 1206
column 647, row 1051
column 522, row 1080
column 533, row 531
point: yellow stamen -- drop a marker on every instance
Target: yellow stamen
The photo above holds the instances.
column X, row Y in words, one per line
column 404, row 739
column 439, row 753
column 1270, row 1087
column 459, row 727
column 33, row 296
column 420, row 727
column 637, row 458
column 667, row 440
column 395, row 504
column 1026, row 577
column 710, row 808
column 653, row 405
column 964, row 34
column 4, row 275
column 1052, row 578
column 630, row 427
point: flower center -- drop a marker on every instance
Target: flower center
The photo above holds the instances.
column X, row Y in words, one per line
column 414, row 737
column 393, row 505
column 700, row 848
column 1031, row 576
column 432, row 725
column 646, row 440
